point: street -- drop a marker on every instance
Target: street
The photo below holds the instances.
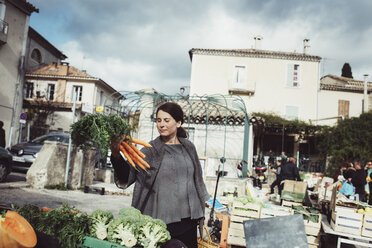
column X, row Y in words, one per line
column 16, row 191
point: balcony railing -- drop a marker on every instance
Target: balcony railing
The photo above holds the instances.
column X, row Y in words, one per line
column 3, row 32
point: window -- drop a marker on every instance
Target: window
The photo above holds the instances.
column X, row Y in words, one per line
column 293, row 78
column 343, row 108
column 29, row 90
column 291, row 112
column 50, row 94
column 36, row 55
column 239, row 77
column 79, row 92
column 100, row 98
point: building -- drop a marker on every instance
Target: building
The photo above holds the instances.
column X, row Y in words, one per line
column 341, row 97
column 40, row 51
column 14, row 24
column 283, row 83
column 48, row 96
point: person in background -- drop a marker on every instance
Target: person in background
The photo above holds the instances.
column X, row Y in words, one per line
column 173, row 190
column 2, row 135
column 289, row 171
column 369, row 180
column 276, row 169
column 359, row 180
column 349, row 172
column 340, row 173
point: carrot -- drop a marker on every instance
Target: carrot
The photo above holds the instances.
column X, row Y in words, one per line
column 126, row 155
column 137, row 151
column 135, row 159
column 46, row 209
column 134, row 154
column 139, row 142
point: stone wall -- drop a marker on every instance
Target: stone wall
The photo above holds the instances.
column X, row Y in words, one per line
column 49, row 167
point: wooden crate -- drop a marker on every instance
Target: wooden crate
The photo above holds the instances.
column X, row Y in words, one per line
column 367, row 232
column 249, row 210
column 239, row 213
column 290, row 203
column 347, row 221
column 313, row 240
column 279, row 211
column 236, row 234
column 367, row 220
column 312, row 228
column 313, row 246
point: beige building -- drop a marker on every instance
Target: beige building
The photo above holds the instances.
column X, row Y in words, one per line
column 268, row 81
column 14, row 24
column 282, row 83
column 52, row 87
column 342, row 97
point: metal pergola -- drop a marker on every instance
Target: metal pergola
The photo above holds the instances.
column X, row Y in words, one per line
column 217, row 109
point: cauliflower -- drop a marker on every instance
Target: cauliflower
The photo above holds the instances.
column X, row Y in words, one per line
column 99, row 222
column 152, row 233
column 123, row 231
column 130, row 212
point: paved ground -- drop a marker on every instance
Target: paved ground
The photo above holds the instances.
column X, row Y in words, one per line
column 16, row 191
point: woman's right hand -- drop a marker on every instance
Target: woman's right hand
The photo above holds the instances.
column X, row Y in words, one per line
column 115, row 146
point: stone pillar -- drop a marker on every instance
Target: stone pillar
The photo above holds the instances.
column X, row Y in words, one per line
column 50, row 166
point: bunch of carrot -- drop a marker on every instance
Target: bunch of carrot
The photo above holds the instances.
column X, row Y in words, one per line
column 132, row 154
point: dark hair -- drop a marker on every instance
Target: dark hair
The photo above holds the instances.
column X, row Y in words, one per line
column 1, row 124
column 176, row 112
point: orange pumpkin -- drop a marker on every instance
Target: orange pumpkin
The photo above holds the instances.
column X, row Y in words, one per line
column 16, row 232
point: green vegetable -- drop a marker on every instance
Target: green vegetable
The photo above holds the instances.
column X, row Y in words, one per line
column 63, row 223
column 99, row 221
column 97, row 130
column 123, row 231
column 308, row 213
column 130, row 212
column 248, row 199
column 152, row 233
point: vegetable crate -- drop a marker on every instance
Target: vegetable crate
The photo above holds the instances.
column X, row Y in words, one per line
column 90, row 242
column 274, row 212
column 312, row 230
column 347, row 220
column 239, row 213
column 367, row 226
column 294, row 191
column 290, row 203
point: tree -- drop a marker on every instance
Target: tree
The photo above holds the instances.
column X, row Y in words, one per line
column 350, row 140
column 346, row 71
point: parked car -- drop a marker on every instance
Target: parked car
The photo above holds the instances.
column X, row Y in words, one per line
column 5, row 163
column 25, row 153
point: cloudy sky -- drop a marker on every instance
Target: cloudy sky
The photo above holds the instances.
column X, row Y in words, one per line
column 137, row 44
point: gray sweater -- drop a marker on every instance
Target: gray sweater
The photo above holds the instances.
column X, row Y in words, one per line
column 125, row 175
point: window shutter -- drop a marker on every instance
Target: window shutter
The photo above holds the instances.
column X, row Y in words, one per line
column 290, row 75
column 343, row 108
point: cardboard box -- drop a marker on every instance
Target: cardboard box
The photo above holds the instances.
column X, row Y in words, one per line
column 294, row 191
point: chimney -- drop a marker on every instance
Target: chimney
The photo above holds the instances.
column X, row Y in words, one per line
column 306, row 46
column 257, row 42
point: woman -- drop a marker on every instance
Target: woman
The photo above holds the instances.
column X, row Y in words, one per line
column 173, row 190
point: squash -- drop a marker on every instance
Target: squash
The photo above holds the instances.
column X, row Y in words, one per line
column 16, row 232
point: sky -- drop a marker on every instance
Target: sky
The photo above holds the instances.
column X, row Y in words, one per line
column 139, row 44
